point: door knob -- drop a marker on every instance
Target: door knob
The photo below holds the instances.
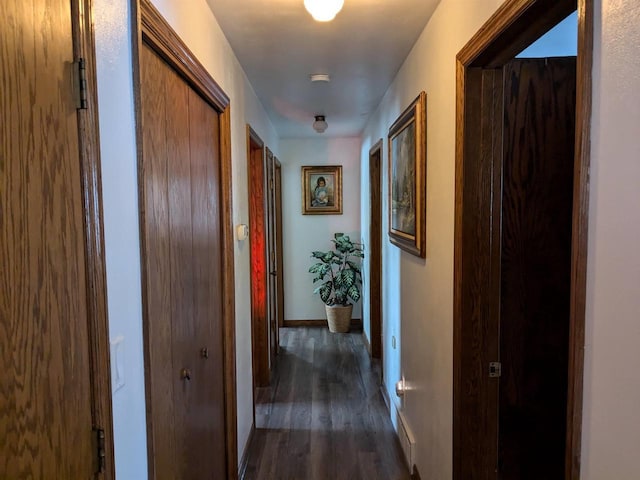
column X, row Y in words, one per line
column 400, row 388
column 185, row 374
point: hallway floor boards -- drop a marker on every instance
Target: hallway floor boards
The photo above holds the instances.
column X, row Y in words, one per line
column 323, row 417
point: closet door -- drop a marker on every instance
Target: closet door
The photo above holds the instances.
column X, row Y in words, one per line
column 182, row 276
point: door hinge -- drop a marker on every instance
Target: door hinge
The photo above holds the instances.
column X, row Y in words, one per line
column 99, row 450
column 495, row 369
column 80, row 84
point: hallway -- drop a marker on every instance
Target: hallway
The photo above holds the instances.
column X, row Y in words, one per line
column 323, row 416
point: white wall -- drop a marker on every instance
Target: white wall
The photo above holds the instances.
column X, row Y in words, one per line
column 304, row 233
column 418, row 294
column 611, row 418
column 197, row 26
column 121, row 230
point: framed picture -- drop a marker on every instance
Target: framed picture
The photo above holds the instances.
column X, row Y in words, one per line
column 322, row 190
column 407, row 178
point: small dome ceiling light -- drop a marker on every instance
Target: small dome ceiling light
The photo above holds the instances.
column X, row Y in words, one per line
column 320, row 77
column 323, row 10
column 320, row 124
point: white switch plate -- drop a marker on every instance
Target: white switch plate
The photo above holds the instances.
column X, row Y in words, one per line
column 117, row 364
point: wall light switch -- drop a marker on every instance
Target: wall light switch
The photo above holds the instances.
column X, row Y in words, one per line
column 117, row 364
column 242, row 231
column 393, row 341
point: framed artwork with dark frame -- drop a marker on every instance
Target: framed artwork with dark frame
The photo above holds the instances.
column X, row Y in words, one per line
column 322, row 190
column 407, row 178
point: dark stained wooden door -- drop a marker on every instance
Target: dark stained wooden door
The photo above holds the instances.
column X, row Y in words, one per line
column 537, row 186
column 45, row 383
column 182, row 276
column 375, row 251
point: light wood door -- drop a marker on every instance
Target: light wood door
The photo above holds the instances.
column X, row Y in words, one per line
column 182, row 276
column 45, row 381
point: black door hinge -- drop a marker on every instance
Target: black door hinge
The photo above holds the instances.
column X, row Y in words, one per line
column 99, row 450
column 81, row 84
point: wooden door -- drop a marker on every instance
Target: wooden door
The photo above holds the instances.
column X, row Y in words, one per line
column 259, row 260
column 182, row 276
column 537, row 198
column 48, row 348
column 279, row 247
column 375, row 250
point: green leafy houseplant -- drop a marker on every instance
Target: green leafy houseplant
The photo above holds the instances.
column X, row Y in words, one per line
column 339, row 271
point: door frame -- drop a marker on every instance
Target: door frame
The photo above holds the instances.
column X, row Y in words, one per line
column 277, row 178
column 150, row 28
column 375, row 253
column 272, row 252
column 256, row 181
column 515, row 25
column 90, row 170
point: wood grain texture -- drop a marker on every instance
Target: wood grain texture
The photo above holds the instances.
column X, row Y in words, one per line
column 180, row 261
column 156, row 32
column 204, row 128
column 513, row 27
column 154, row 218
column 579, row 237
column 537, row 187
column 259, row 260
column 375, row 249
column 46, row 405
column 84, row 47
column 516, row 24
column 228, row 293
column 476, row 323
column 151, row 30
column 323, row 415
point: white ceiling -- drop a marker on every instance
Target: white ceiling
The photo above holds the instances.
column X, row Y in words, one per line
column 279, row 45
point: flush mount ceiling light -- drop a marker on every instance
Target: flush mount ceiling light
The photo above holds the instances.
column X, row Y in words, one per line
column 323, row 10
column 320, row 124
column 320, row 77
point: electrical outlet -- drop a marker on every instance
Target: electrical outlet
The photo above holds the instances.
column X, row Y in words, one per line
column 393, row 341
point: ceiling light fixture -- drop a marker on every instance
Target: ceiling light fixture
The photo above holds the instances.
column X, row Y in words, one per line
column 323, row 10
column 320, row 77
column 320, row 124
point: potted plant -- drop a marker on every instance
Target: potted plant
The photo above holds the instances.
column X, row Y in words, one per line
column 339, row 272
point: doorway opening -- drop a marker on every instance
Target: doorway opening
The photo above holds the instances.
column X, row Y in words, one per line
column 520, row 247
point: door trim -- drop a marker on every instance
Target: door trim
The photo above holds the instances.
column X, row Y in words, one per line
column 90, row 165
column 514, row 25
column 150, row 28
column 256, row 178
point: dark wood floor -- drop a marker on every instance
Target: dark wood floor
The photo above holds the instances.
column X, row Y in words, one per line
column 323, row 417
